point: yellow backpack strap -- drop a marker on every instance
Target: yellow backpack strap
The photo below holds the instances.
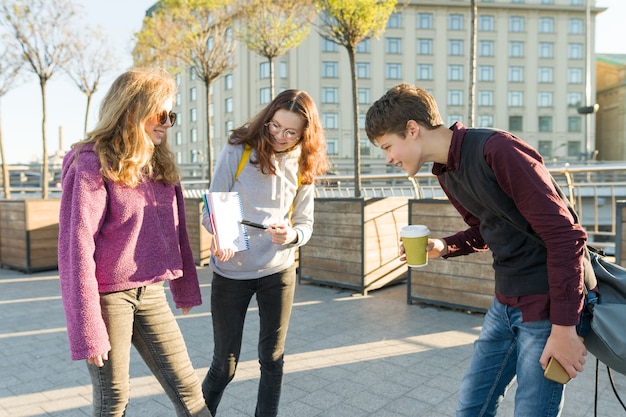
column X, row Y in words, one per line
column 244, row 159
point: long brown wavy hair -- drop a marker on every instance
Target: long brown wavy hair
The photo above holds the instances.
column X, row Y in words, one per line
column 127, row 155
column 313, row 159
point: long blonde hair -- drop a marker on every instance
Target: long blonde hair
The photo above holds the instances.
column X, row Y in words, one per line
column 127, row 155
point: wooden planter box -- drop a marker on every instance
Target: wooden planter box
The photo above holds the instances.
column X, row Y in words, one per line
column 29, row 231
column 355, row 243
column 465, row 282
column 199, row 238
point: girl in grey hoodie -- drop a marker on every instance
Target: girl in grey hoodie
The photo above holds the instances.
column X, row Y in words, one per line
column 271, row 162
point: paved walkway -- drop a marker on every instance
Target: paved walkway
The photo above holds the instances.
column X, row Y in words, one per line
column 347, row 355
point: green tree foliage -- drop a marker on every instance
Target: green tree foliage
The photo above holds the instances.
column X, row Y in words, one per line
column 272, row 27
column 44, row 32
column 347, row 23
column 194, row 35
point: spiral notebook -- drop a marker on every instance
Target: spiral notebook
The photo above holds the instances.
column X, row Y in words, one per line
column 226, row 212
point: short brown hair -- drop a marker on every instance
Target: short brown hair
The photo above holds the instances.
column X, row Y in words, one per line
column 404, row 102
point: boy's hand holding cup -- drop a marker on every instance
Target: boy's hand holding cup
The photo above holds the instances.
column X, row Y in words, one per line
column 414, row 239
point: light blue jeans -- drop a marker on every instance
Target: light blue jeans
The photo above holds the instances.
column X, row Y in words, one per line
column 507, row 348
column 143, row 317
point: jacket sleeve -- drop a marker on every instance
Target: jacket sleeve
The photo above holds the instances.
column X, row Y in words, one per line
column 303, row 213
column 83, row 208
column 186, row 289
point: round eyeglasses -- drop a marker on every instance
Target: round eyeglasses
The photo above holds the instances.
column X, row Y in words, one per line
column 275, row 129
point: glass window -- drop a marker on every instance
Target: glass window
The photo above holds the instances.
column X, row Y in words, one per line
column 229, row 126
column 331, row 146
column 575, row 51
column 330, row 120
column 516, row 99
column 575, row 2
column 424, row 46
column 363, row 47
column 228, row 105
column 453, row 118
column 455, row 72
column 194, row 158
column 330, row 95
column 393, row 71
column 363, row 70
column 545, row 123
column 264, row 70
column 485, row 73
column 264, row 95
column 179, row 138
column 283, row 69
column 516, row 49
column 485, row 98
column 455, row 47
column 544, row 99
column 193, row 91
column 424, row 72
column 330, row 69
column 455, row 97
column 424, row 20
column 455, row 22
column 486, row 48
column 485, row 120
column 575, row 75
column 329, row 46
column 516, row 24
column 545, row 75
column 574, row 124
column 194, row 135
column 393, row 45
column 192, row 74
column 179, row 157
column 516, row 123
column 395, row 20
column 516, row 74
column 486, row 23
column 547, row 1
column 178, row 78
column 545, row 147
column 546, row 25
column 228, row 82
column 574, row 99
column 546, row 50
column 193, row 115
column 179, row 98
column 364, row 96
column 575, row 26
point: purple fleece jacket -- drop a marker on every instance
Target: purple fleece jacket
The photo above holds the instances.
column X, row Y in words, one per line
column 114, row 238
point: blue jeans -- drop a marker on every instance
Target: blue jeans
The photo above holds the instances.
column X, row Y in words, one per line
column 142, row 316
column 229, row 303
column 506, row 348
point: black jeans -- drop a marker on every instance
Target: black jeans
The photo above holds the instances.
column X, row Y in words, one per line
column 229, row 303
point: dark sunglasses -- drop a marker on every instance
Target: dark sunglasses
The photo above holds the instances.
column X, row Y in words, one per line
column 164, row 115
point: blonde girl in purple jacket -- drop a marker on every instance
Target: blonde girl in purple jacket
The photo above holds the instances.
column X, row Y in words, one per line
column 122, row 234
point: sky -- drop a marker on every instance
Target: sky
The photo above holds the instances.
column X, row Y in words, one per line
column 21, row 107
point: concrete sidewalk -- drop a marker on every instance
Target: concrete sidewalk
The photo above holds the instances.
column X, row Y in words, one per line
column 347, row 355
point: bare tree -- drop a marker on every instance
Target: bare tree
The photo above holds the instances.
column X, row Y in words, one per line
column 272, row 27
column 43, row 31
column 10, row 67
column 191, row 34
column 92, row 58
column 347, row 23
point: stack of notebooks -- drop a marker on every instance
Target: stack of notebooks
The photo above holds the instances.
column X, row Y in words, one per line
column 226, row 213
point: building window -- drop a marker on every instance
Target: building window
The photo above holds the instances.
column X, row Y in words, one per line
column 485, row 72
column 545, row 123
column 545, row 75
column 515, row 123
column 363, row 70
column 545, row 147
column 194, row 158
column 546, row 25
column 516, row 99
column 192, row 74
column 574, row 99
column 455, row 47
column 424, row 72
column 575, row 75
column 486, row 23
column 264, row 70
column 179, row 157
column 363, row 47
column 329, row 46
column 424, row 20
column 393, row 45
column 264, row 95
column 516, row 49
column 193, row 93
column 573, row 148
column 453, row 118
column 455, row 72
column 193, row 135
column 547, row 1
column 364, row 96
column 455, row 97
column 575, row 51
column 330, row 95
column 485, row 120
column 574, row 124
column 330, row 120
column 179, row 98
column 544, row 99
column 178, row 78
column 546, row 50
column 179, row 138
column 516, row 24
column 516, row 74
column 424, row 46
column 179, row 119
column 283, row 69
column 575, row 2
column 330, row 69
column 455, row 22
column 575, row 26
column 393, row 71
column 193, row 115
column 228, row 105
column 361, row 121
column 395, row 20
column 485, row 98
column 486, row 48
column 331, row 147
column 228, row 82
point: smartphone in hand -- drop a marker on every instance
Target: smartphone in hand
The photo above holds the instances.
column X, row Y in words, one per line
column 555, row 372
